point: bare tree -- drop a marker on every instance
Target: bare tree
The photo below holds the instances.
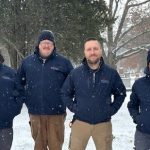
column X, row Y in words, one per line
column 118, row 37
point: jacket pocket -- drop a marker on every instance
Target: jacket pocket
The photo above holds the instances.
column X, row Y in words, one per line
column 109, row 110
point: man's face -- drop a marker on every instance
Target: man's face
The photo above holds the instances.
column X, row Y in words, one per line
column 46, row 47
column 92, row 51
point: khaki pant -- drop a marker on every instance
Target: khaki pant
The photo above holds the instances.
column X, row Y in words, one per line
column 47, row 131
column 101, row 134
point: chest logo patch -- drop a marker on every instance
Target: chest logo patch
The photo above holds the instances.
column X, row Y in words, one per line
column 54, row 68
column 105, row 81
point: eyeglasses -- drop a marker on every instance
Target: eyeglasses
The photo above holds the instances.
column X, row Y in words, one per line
column 47, row 43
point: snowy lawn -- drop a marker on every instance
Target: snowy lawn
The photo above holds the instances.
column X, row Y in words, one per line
column 123, row 131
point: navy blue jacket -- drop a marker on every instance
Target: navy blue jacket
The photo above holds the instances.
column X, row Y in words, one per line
column 9, row 107
column 40, row 82
column 87, row 93
column 139, row 104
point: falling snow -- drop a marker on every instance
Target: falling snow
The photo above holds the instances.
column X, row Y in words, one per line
column 123, row 131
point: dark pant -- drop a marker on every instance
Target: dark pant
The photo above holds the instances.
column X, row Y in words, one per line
column 142, row 141
column 6, row 137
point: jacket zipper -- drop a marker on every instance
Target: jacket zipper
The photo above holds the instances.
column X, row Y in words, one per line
column 94, row 78
column 94, row 82
column 43, row 64
column 94, row 75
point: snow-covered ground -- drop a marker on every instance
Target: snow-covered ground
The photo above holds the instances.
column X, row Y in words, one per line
column 123, row 131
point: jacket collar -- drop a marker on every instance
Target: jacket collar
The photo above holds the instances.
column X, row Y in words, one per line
column 48, row 58
column 101, row 64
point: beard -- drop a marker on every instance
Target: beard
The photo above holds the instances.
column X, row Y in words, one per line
column 46, row 54
column 93, row 62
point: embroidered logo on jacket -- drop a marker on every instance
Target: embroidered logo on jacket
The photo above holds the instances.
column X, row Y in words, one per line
column 5, row 77
column 55, row 68
column 106, row 81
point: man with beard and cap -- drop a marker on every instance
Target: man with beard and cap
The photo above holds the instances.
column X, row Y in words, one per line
column 9, row 104
column 139, row 108
column 87, row 92
column 40, row 78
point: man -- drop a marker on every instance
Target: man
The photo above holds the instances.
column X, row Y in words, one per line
column 87, row 92
column 42, row 74
column 139, row 108
column 9, row 108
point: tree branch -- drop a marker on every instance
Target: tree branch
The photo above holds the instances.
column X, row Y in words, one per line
column 135, row 37
column 135, row 5
column 14, row 46
column 122, row 22
column 111, row 4
column 105, row 41
column 116, row 8
column 133, row 51
column 128, row 30
column 110, row 27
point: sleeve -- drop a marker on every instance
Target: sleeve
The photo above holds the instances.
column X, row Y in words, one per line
column 17, row 97
column 67, row 93
column 133, row 104
column 69, row 66
column 119, row 93
column 20, row 84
